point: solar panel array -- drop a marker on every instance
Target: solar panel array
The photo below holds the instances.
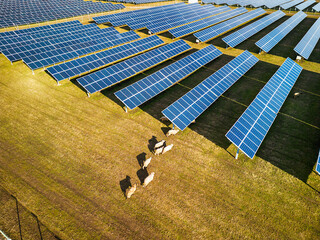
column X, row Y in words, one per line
column 275, row 36
column 150, row 86
column 306, row 45
column 198, row 25
column 254, row 3
column 23, row 47
column 316, row 7
column 190, row 106
column 291, row 4
column 253, row 125
column 119, row 19
column 305, row 4
column 95, row 61
column 241, row 35
column 318, row 164
column 140, row 1
column 221, row 28
column 114, row 74
column 21, row 12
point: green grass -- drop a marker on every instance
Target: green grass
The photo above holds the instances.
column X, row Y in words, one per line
column 63, row 156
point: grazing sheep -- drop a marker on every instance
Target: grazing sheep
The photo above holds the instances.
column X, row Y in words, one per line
column 172, row 132
column 167, row 148
column 164, row 119
column 146, row 163
column 131, row 190
column 159, row 144
column 297, row 94
column 148, row 179
column 158, row 151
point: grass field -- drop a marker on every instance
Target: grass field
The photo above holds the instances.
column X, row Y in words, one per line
column 66, row 157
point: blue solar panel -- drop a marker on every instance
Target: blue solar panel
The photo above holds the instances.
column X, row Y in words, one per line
column 274, row 3
column 221, row 28
column 316, row 7
column 275, row 36
column 190, row 106
column 290, row 4
column 241, row 35
column 121, row 71
column 22, row 12
column 309, row 41
column 251, row 128
column 318, row 164
column 95, row 61
column 198, row 25
column 305, row 4
column 150, row 86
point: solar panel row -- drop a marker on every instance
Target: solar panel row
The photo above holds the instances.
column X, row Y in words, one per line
column 316, row 7
column 190, row 106
column 95, row 61
column 318, row 164
column 198, row 25
column 241, row 35
column 253, row 125
column 114, row 74
column 37, row 46
column 291, row 4
column 274, row 37
column 78, row 49
column 305, row 4
column 221, row 28
column 150, row 86
column 21, row 12
column 306, row 45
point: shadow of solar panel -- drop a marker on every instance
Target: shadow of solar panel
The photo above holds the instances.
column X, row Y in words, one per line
column 212, row 32
column 98, row 60
column 150, row 86
column 130, row 67
column 275, row 36
column 243, row 34
column 190, row 106
column 251, row 128
column 306, row 45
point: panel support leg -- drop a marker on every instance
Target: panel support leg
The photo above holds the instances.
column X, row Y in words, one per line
column 88, row 94
column 32, row 72
column 172, row 126
column 126, row 109
column 58, row 83
column 237, row 154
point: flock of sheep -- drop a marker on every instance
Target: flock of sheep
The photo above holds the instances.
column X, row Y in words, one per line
column 158, row 149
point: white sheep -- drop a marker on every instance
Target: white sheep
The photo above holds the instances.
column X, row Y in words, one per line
column 158, row 151
column 172, row 132
column 297, row 94
column 159, row 144
column 131, row 190
column 146, row 163
column 148, row 179
column 167, row 148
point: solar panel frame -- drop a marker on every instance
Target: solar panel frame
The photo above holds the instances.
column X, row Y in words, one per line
column 316, row 7
column 275, row 36
column 306, row 45
column 318, row 164
column 152, row 85
column 243, row 34
column 251, row 128
column 221, row 28
column 191, row 105
column 123, row 70
column 305, row 4
column 290, row 4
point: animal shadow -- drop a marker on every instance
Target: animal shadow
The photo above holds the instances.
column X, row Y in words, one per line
column 152, row 143
column 165, row 130
column 141, row 158
column 142, row 175
column 125, row 184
